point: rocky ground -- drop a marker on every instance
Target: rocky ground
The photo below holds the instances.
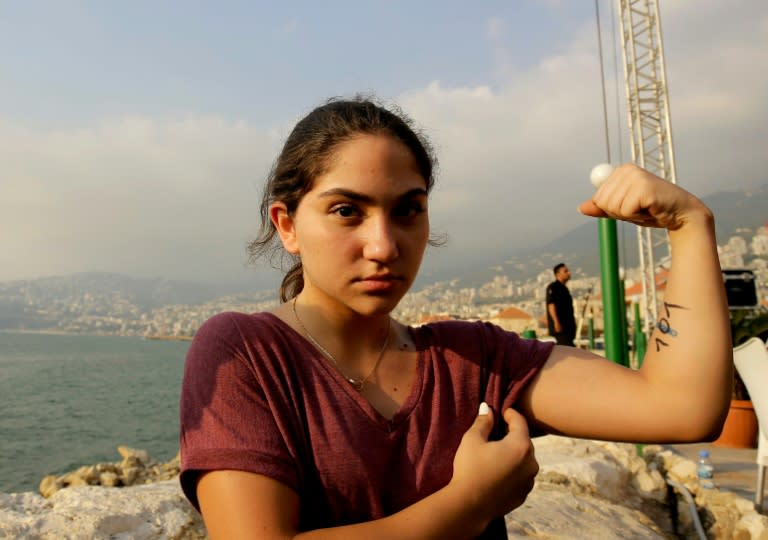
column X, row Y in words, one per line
column 585, row 489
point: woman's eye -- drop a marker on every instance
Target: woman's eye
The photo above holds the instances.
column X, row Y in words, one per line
column 409, row 209
column 345, row 211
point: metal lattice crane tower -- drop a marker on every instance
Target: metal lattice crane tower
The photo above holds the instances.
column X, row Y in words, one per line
column 649, row 125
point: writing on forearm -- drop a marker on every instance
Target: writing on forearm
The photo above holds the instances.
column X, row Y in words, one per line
column 665, row 327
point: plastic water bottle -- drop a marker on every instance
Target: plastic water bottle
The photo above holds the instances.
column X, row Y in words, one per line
column 705, row 470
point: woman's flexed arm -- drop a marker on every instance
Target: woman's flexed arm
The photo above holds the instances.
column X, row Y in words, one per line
column 682, row 391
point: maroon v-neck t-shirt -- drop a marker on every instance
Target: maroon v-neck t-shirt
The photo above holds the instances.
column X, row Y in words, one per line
column 258, row 397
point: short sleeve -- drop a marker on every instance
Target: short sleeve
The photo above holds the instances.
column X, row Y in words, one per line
column 227, row 421
column 515, row 362
column 524, row 358
column 501, row 361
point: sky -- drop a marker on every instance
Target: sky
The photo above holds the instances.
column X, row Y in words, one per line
column 135, row 136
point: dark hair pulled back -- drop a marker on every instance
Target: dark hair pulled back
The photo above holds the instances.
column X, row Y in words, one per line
column 308, row 152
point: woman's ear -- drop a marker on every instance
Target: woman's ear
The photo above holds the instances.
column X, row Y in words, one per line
column 284, row 224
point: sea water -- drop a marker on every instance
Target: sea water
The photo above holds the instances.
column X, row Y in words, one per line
column 68, row 401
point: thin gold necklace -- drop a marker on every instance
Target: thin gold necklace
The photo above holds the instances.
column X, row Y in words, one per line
column 357, row 384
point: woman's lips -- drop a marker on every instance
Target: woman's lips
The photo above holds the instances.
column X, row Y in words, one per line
column 379, row 283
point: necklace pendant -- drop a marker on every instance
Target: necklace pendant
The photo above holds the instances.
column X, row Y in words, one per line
column 357, row 385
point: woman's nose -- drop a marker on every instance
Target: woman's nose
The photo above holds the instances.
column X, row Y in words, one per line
column 380, row 241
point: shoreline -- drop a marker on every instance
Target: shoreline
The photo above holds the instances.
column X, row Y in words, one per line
column 52, row 332
column 168, row 338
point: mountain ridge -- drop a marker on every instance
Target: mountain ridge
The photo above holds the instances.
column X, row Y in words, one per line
column 736, row 212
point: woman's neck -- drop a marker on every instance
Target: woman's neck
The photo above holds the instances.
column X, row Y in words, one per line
column 338, row 317
column 374, row 353
column 351, row 338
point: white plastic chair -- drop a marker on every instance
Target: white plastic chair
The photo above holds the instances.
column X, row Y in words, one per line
column 751, row 361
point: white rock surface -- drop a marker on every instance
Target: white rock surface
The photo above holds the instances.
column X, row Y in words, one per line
column 147, row 512
column 553, row 513
column 584, row 490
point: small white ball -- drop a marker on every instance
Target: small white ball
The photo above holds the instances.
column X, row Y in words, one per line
column 600, row 174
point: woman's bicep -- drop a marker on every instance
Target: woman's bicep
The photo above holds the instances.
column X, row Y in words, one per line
column 240, row 504
column 580, row 394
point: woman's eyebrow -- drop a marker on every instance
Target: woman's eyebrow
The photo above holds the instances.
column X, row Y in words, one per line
column 367, row 199
column 347, row 193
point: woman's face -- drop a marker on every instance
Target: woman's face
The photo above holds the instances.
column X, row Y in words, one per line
column 362, row 229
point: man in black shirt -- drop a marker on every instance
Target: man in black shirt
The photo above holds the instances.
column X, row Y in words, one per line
column 560, row 319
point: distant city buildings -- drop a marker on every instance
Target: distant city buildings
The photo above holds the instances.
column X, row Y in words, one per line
column 515, row 304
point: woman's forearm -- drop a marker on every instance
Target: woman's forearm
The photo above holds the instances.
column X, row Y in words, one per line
column 444, row 515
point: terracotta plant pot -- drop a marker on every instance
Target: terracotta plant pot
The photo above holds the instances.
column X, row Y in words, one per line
column 740, row 429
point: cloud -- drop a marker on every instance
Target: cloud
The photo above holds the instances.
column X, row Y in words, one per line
column 715, row 53
column 134, row 194
column 516, row 158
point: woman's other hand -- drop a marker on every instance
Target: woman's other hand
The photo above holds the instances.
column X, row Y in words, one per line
column 495, row 477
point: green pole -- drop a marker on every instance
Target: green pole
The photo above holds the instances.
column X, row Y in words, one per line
column 609, row 280
column 640, row 341
column 623, row 323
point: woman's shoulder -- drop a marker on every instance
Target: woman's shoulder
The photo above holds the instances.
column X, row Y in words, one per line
column 254, row 339
column 229, row 324
column 459, row 334
column 451, row 327
column 469, row 336
column 498, row 350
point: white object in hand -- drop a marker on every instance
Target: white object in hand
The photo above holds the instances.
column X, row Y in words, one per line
column 600, row 174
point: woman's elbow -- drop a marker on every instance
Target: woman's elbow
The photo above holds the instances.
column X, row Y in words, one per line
column 704, row 424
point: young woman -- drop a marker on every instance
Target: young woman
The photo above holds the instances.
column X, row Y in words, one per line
column 326, row 418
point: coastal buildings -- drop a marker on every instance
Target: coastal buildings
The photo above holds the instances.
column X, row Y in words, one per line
column 512, row 296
